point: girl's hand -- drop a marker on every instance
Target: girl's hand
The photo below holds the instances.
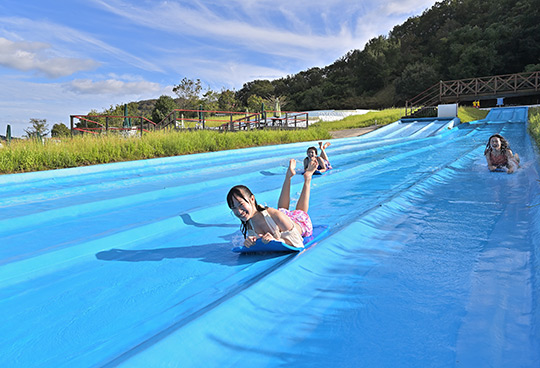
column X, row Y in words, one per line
column 249, row 241
column 266, row 238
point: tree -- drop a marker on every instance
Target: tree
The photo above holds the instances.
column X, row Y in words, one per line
column 188, row 91
column 227, row 100
column 532, row 68
column 39, row 128
column 254, row 103
column 210, row 100
column 164, row 105
column 416, row 78
column 60, row 130
column 261, row 88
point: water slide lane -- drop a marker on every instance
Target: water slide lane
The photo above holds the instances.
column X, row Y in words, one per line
column 137, row 280
column 404, row 285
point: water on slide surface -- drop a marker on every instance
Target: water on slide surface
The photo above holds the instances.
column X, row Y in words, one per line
column 430, row 261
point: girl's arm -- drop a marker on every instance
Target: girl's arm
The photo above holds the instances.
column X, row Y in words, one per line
column 322, row 164
column 250, row 237
column 512, row 164
column 285, row 224
column 249, row 241
column 306, row 162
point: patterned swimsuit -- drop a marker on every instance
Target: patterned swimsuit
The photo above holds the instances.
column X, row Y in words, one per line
column 301, row 218
column 293, row 236
column 499, row 160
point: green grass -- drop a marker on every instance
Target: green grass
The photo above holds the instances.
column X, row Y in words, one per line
column 466, row 114
column 33, row 155
column 534, row 124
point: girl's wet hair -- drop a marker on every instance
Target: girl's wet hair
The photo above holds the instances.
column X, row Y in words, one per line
column 313, row 148
column 504, row 144
column 241, row 191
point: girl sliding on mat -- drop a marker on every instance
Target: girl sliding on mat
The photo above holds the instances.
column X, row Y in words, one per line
column 499, row 155
column 323, row 164
column 269, row 223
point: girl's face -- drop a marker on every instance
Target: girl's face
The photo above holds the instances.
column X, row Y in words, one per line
column 311, row 153
column 243, row 209
column 495, row 143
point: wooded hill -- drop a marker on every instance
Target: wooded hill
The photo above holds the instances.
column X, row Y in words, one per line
column 454, row 39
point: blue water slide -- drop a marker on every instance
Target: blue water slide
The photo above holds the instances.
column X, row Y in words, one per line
column 507, row 114
column 429, row 259
column 414, row 128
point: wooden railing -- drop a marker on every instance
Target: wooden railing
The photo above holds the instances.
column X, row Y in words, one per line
column 183, row 119
column 97, row 124
column 232, row 120
column 427, row 98
column 475, row 88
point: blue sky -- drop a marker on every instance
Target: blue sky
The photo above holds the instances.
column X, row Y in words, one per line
column 63, row 57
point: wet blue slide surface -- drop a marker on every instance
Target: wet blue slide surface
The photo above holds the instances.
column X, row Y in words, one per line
column 430, row 260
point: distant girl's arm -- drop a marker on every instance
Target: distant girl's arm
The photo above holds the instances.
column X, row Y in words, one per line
column 306, row 162
column 322, row 164
column 512, row 164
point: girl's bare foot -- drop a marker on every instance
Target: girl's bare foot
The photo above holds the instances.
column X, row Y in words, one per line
column 292, row 166
column 324, row 146
column 312, row 166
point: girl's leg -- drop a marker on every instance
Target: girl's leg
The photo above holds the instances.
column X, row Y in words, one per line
column 323, row 152
column 285, row 196
column 303, row 201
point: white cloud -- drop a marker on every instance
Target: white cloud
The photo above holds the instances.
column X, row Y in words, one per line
column 293, row 34
column 68, row 40
column 112, row 87
column 228, row 74
column 407, row 7
column 272, row 38
column 27, row 56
